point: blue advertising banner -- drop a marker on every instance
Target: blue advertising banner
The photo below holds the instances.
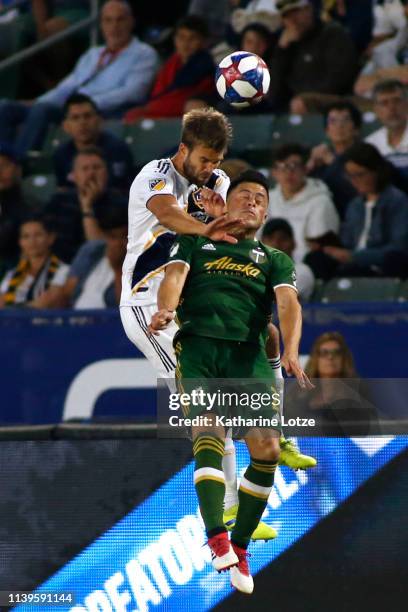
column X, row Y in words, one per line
column 155, row 558
column 79, row 364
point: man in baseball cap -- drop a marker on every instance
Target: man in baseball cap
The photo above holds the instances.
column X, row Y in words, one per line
column 312, row 58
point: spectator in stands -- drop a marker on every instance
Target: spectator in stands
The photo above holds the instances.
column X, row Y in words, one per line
column 72, row 213
column 29, row 283
column 233, row 167
column 95, row 276
column 387, row 52
column 391, row 107
column 83, row 123
column 216, row 15
column 188, row 72
column 314, row 59
column 304, row 202
column 375, row 231
column 355, row 17
column 278, row 233
column 256, row 38
column 115, row 76
column 342, row 123
column 13, row 208
column 339, row 402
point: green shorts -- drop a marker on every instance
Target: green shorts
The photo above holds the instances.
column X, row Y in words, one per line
column 235, row 378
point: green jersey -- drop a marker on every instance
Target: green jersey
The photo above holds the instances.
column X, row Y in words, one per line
column 228, row 292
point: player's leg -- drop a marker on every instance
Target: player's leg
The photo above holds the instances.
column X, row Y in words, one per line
column 195, row 359
column 254, row 491
column 290, row 455
column 157, row 349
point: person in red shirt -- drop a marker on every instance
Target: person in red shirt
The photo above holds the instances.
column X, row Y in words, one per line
column 189, row 72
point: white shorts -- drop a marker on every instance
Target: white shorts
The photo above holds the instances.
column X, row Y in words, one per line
column 157, row 349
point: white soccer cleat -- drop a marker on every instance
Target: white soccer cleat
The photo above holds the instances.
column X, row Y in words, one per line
column 223, row 555
column 240, row 575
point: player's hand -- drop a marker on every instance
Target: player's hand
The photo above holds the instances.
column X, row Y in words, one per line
column 220, row 229
column 160, row 320
column 212, row 202
column 293, row 368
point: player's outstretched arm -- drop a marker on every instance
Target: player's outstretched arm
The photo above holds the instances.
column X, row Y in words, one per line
column 170, row 215
column 168, row 297
column 290, row 323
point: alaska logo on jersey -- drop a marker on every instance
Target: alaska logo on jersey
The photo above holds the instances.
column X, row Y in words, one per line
column 157, row 184
column 229, row 265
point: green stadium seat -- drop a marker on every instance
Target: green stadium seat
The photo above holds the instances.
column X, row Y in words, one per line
column 251, row 133
column 38, row 189
column 361, row 290
column 114, row 126
column 403, row 292
column 152, row 139
column 307, row 130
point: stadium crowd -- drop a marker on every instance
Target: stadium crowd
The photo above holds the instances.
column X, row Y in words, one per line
column 339, row 208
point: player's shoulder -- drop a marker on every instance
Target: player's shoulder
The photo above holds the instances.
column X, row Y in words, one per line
column 154, row 177
column 276, row 257
column 218, row 179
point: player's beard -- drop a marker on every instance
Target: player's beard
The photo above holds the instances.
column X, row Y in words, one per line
column 191, row 175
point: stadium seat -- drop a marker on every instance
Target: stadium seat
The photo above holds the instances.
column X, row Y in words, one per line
column 251, row 133
column 307, row 130
column 361, row 290
column 152, row 139
column 38, row 189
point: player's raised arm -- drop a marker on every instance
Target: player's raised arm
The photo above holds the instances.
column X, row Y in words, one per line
column 290, row 323
column 170, row 215
column 169, row 294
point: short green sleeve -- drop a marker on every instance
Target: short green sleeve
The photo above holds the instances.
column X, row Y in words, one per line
column 282, row 270
column 182, row 249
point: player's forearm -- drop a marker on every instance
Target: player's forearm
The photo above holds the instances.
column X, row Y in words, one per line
column 180, row 222
column 290, row 323
column 169, row 294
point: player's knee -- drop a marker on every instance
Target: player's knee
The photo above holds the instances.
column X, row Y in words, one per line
column 267, row 449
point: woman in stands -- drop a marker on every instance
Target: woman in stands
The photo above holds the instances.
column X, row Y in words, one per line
column 339, row 402
column 374, row 235
column 32, row 281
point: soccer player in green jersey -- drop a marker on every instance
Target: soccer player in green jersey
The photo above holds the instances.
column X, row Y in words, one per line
column 223, row 295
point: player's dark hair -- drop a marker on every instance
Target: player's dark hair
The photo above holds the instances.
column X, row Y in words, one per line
column 367, row 156
column 194, row 23
column 91, row 151
column 286, row 150
column 78, row 98
column 207, row 127
column 249, row 176
column 389, row 86
column 277, row 225
column 344, row 105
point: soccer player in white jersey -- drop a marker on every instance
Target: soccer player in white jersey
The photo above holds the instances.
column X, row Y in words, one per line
column 169, row 197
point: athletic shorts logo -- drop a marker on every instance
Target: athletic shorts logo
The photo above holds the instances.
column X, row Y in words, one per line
column 257, row 255
column 157, row 184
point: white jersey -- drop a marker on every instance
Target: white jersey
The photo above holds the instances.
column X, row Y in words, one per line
column 149, row 242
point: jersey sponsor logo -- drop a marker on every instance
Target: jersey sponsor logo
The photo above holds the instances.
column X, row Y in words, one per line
column 157, row 184
column 257, row 255
column 227, row 264
column 208, row 247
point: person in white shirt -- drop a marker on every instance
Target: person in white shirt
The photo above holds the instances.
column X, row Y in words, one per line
column 305, row 203
column 391, row 108
column 278, row 233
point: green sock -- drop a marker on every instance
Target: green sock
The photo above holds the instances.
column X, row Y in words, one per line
column 253, row 493
column 209, row 481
